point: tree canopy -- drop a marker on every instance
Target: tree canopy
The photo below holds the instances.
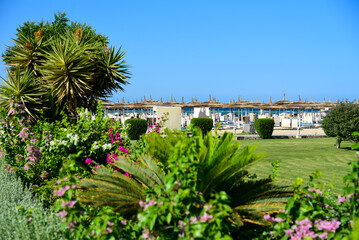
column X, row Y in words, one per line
column 68, row 62
column 341, row 122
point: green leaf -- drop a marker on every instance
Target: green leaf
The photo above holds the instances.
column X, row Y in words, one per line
column 152, row 222
column 168, row 218
column 289, row 206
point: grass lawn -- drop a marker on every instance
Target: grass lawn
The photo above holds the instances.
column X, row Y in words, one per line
column 301, row 157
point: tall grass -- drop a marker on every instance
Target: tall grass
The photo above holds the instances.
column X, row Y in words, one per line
column 22, row 215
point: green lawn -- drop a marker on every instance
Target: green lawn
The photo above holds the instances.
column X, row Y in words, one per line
column 301, row 157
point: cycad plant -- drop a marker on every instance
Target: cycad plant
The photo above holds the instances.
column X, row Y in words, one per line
column 112, row 188
column 223, row 167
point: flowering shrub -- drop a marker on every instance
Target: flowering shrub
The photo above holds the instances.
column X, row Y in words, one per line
column 36, row 152
column 178, row 211
column 316, row 213
column 82, row 221
column 159, row 124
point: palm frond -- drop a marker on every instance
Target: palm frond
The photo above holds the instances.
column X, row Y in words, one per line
column 110, row 188
column 68, row 69
column 24, row 88
column 26, row 54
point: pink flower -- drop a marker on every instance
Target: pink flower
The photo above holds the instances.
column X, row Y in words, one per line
column 207, row 207
column 70, row 225
column 127, row 174
column 141, row 203
column 61, row 191
column 206, row 217
column 110, row 223
column 88, row 161
column 288, row 231
column 267, row 217
column 323, row 235
column 69, row 204
column 193, row 219
column 97, row 166
column 123, row 222
column 278, row 219
column 341, row 199
column 329, row 226
column 146, row 233
column 308, row 195
column 63, row 213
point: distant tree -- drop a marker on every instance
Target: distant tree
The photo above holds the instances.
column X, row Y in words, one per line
column 341, row 122
column 69, row 60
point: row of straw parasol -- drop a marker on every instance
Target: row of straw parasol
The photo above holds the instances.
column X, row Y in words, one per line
column 213, row 103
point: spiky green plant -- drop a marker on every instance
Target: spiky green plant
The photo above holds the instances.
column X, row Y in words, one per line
column 68, row 70
column 26, row 54
column 111, row 188
column 223, row 167
column 70, row 60
column 24, row 88
column 113, row 72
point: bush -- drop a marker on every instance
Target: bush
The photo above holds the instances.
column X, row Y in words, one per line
column 341, row 122
column 21, row 215
column 205, row 124
column 315, row 212
column 36, row 153
column 264, row 127
column 137, row 128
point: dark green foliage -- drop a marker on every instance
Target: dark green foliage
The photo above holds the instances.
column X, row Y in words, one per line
column 112, row 188
column 69, row 61
column 137, row 128
column 264, row 127
column 341, row 122
column 223, row 166
column 205, row 124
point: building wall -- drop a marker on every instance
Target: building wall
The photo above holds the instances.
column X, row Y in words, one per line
column 174, row 117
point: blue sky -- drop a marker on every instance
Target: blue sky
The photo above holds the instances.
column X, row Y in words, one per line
column 223, row 48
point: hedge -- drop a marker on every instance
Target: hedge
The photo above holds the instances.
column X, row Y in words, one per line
column 264, row 127
column 137, row 128
column 205, row 124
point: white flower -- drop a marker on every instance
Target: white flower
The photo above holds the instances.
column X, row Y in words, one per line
column 107, row 146
column 94, row 146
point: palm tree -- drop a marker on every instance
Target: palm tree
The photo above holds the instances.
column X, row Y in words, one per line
column 70, row 60
column 112, row 188
column 24, row 88
column 68, row 70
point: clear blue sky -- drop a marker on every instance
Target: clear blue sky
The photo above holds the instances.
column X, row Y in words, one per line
column 224, row 48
